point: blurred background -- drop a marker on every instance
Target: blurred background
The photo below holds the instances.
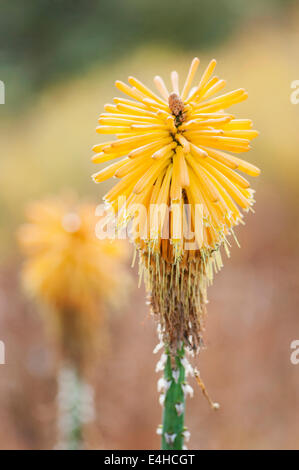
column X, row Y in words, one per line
column 59, row 60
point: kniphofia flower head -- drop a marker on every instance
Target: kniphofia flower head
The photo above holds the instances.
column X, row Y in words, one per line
column 176, row 155
column 72, row 272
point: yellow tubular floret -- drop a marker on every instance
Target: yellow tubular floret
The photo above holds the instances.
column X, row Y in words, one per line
column 151, row 175
column 183, row 170
column 164, row 150
column 133, row 93
column 161, row 87
column 190, row 76
column 175, row 82
column 176, row 187
column 150, row 149
column 143, row 89
column 219, row 85
column 204, row 79
column 132, row 104
column 108, row 172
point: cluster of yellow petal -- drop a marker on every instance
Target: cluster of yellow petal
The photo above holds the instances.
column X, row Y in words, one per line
column 173, row 154
column 68, row 269
column 175, row 149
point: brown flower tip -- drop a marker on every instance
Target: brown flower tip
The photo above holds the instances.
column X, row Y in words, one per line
column 176, row 105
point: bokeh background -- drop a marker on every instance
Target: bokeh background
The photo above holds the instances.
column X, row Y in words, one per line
column 59, row 60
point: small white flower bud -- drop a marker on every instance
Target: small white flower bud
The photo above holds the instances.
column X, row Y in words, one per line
column 161, row 384
column 159, row 430
column 186, row 435
column 170, row 438
column 157, row 348
column 188, row 390
column 179, row 408
column 176, row 375
column 162, row 399
column 160, row 365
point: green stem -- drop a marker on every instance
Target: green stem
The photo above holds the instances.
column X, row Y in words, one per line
column 174, row 404
column 71, row 391
column 75, row 437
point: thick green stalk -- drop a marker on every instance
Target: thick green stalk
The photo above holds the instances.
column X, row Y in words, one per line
column 174, row 404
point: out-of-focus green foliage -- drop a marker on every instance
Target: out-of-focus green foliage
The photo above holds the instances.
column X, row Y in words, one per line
column 45, row 40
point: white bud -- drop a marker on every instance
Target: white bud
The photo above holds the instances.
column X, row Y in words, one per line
column 161, row 384
column 167, row 385
column 187, row 366
column 188, row 390
column 179, row 408
column 157, row 348
column 162, row 399
column 160, row 365
column 159, row 430
column 170, row 438
column 176, row 375
column 186, row 435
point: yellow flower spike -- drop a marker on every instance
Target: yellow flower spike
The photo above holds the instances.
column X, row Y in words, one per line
column 72, row 273
column 181, row 153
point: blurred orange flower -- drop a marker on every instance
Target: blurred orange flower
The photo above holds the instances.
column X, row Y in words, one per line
column 70, row 270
